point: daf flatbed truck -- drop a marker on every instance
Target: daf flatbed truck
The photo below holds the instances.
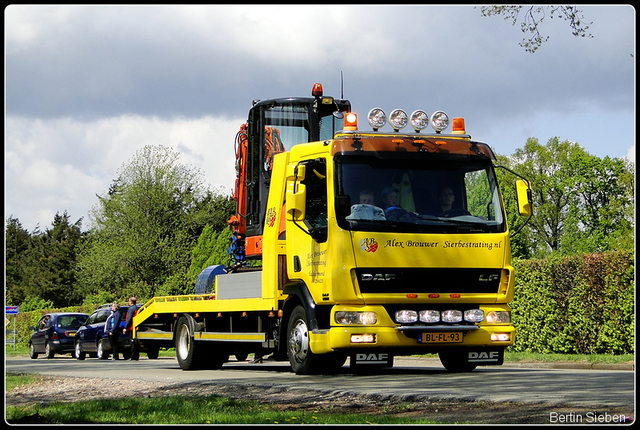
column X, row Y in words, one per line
column 370, row 245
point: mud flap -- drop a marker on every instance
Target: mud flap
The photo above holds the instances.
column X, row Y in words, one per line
column 485, row 356
column 370, row 360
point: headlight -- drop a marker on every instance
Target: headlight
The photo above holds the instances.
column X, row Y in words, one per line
column 474, row 315
column 430, row 316
column 452, row 316
column 419, row 120
column 406, row 316
column 498, row 317
column 439, row 121
column 398, row 119
column 353, row 317
column 377, row 118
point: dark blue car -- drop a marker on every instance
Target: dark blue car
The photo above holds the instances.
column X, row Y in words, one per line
column 91, row 338
column 55, row 334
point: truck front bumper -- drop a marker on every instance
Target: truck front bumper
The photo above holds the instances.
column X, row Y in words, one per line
column 414, row 341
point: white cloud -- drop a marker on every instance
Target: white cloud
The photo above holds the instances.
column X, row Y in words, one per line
column 61, row 164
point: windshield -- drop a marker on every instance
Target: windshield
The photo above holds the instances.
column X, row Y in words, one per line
column 421, row 195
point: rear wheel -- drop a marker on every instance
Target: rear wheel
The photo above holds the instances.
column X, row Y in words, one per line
column 186, row 350
column 48, row 351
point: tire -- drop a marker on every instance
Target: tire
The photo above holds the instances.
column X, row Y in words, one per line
column 455, row 361
column 78, row 350
column 188, row 357
column 48, row 352
column 302, row 360
column 241, row 356
column 101, row 350
column 152, row 353
column 32, row 351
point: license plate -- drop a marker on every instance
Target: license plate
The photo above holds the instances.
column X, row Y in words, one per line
column 449, row 337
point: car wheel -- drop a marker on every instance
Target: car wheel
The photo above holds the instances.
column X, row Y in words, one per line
column 101, row 351
column 78, row 351
column 48, row 351
column 32, row 351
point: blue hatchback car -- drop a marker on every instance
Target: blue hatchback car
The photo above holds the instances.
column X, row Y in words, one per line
column 55, row 334
column 91, row 338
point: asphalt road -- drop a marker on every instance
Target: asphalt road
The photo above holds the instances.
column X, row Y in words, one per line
column 409, row 377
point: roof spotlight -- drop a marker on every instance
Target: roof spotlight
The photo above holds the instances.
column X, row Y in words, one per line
column 439, row 121
column 376, row 118
column 419, row 120
column 398, row 119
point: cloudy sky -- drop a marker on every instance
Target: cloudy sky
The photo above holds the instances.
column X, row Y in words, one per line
column 88, row 86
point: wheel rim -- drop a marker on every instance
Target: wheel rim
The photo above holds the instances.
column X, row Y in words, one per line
column 184, row 341
column 78, row 349
column 100, row 350
column 299, row 341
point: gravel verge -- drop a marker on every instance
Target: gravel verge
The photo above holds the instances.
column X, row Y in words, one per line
column 49, row 389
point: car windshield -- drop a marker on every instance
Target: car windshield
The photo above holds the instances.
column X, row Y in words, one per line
column 418, row 195
column 71, row 321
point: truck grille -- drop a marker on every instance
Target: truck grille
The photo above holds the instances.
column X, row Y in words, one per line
column 432, row 280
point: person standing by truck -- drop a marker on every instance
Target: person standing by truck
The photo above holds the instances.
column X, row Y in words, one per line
column 133, row 307
column 111, row 327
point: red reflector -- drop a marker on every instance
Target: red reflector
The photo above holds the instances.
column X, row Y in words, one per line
column 454, row 296
column 317, row 90
column 412, row 296
column 54, row 336
column 434, row 296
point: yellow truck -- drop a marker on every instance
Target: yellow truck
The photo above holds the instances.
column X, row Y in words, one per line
column 352, row 244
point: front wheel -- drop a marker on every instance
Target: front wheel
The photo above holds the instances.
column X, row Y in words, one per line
column 32, row 351
column 456, row 361
column 79, row 354
column 302, row 360
column 102, row 350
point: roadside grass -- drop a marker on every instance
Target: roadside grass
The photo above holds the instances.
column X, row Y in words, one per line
column 181, row 410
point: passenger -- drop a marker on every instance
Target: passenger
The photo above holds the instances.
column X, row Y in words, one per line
column 112, row 328
column 392, row 209
column 367, row 197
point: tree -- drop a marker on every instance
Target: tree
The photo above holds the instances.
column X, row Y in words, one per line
column 533, row 18
column 147, row 223
column 17, row 241
column 582, row 203
column 41, row 265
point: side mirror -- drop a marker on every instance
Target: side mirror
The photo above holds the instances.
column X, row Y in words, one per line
column 297, row 194
column 296, row 202
column 523, row 198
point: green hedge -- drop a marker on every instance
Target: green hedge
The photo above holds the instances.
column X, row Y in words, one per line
column 582, row 304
